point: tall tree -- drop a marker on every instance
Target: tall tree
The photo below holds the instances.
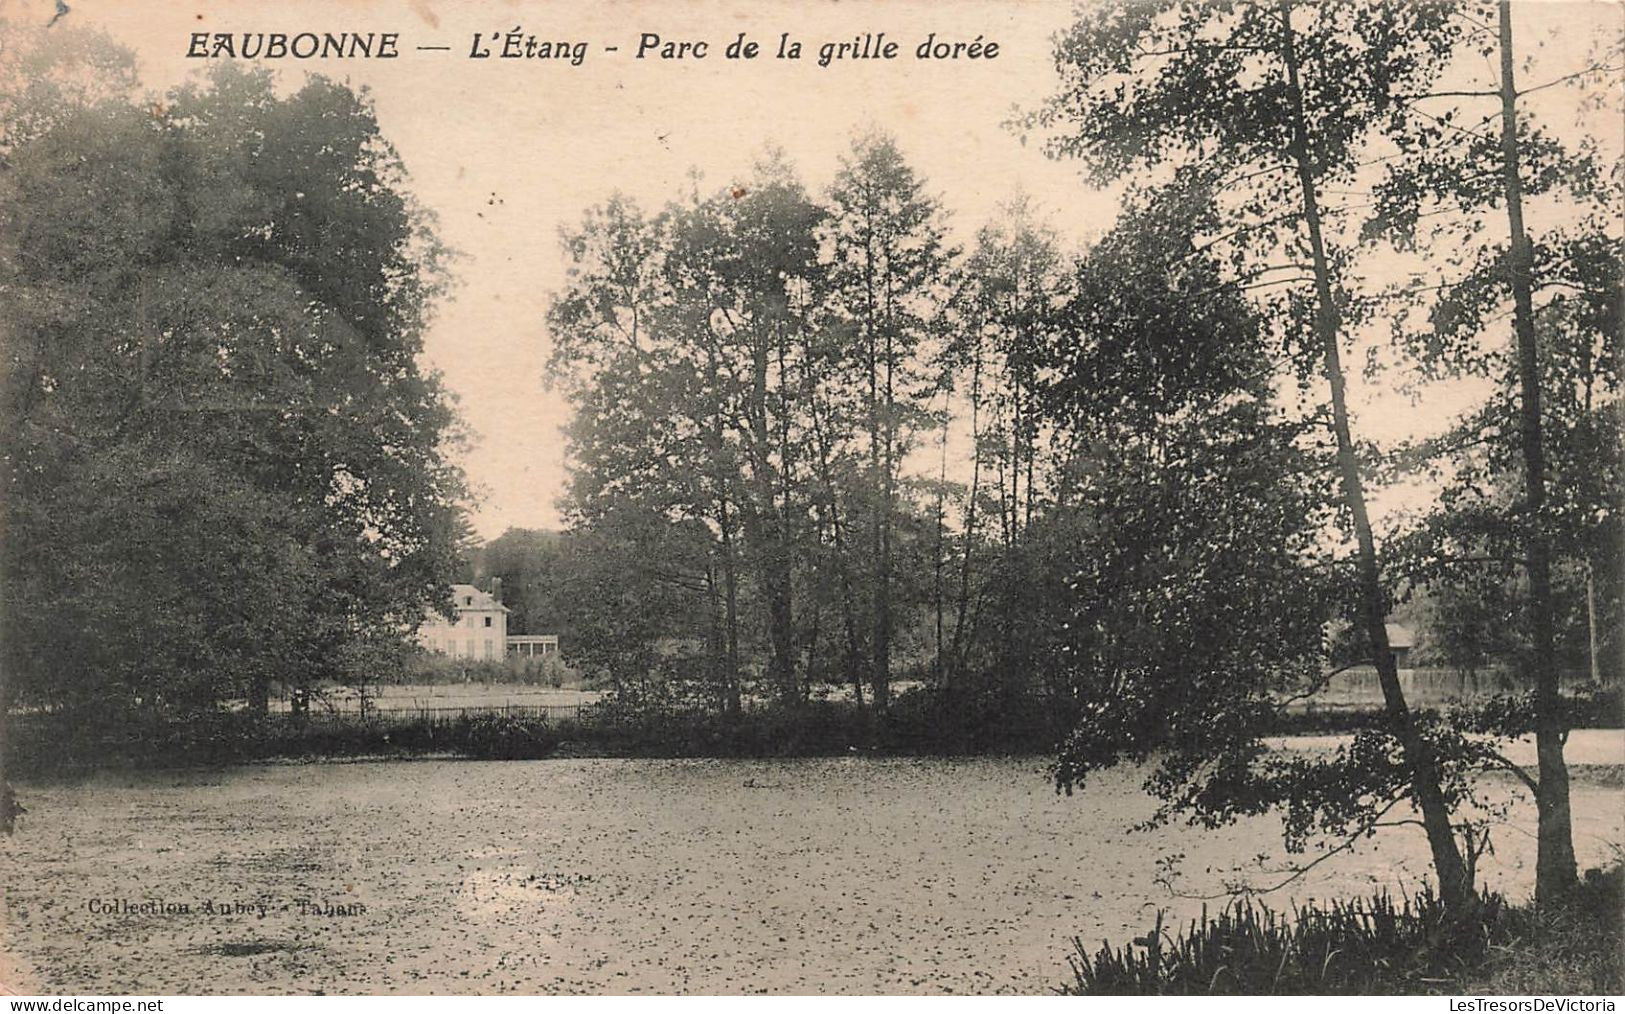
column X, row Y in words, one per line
column 1267, row 105
column 1195, row 586
column 1554, row 870
column 1013, row 283
column 747, row 285
column 691, row 337
column 890, row 264
column 230, row 465
column 649, row 452
column 1474, row 169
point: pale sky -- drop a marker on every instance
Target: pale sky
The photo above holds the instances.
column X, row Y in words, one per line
column 506, row 152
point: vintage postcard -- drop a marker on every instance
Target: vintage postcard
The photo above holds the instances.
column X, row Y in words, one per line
column 723, row 497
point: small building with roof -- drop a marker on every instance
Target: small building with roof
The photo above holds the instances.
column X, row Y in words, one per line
column 1400, row 642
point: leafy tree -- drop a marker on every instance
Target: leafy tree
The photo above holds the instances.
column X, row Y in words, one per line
column 1267, row 106
column 1457, row 174
column 527, row 562
column 638, row 594
column 693, row 358
column 227, row 467
column 734, row 360
column 648, row 460
column 1196, row 590
column 1013, row 283
column 748, row 285
column 887, row 280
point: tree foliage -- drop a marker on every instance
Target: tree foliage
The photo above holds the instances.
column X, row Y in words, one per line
column 226, row 466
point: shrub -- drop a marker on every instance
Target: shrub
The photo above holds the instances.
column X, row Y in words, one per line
column 424, row 668
column 505, row 737
column 1374, row 946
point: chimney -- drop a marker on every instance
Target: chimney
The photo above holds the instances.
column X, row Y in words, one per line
column 496, row 589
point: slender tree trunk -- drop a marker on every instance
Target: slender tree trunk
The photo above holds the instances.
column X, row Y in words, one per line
column 781, row 623
column 8, row 797
column 259, row 694
column 1009, row 607
column 725, row 528
column 1029, row 423
column 879, row 467
column 764, row 523
column 814, row 632
column 784, row 539
column 771, row 562
column 1021, row 667
column 727, row 691
column 852, row 657
column 1455, row 885
column 883, row 570
column 1591, row 623
column 1015, row 453
column 942, row 524
column 1554, row 863
column 730, row 605
column 963, row 605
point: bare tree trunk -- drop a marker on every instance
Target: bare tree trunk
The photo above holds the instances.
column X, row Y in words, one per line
column 1029, row 423
column 883, row 569
column 730, row 603
column 259, row 694
column 771, row 561
column 765, row 522
column 9, row 807
column 853, row 669
column 1554, row 863
column 781, row 623
column 730, row 575
column 724, row 646
column 1455, row 883
column 942, row 524
column 878, row 685
column 814, row 632
column 1015, row 452
column 1591, row 623
column 963, row 605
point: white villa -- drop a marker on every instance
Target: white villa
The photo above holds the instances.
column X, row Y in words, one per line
column 479, row 630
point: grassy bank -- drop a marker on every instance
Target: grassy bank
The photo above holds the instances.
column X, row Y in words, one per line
column 1376, row 945
column 56, row 744
column 917, row 724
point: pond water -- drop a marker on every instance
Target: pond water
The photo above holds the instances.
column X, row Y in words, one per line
column 852, row 875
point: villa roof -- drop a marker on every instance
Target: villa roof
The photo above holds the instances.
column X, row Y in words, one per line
column 482, row 601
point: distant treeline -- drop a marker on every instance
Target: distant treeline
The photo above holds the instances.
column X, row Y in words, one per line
column 817, row 445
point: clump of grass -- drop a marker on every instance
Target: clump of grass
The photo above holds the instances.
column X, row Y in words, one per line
column 1250, row 948
column 1375, row 945
column 1572, row 947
